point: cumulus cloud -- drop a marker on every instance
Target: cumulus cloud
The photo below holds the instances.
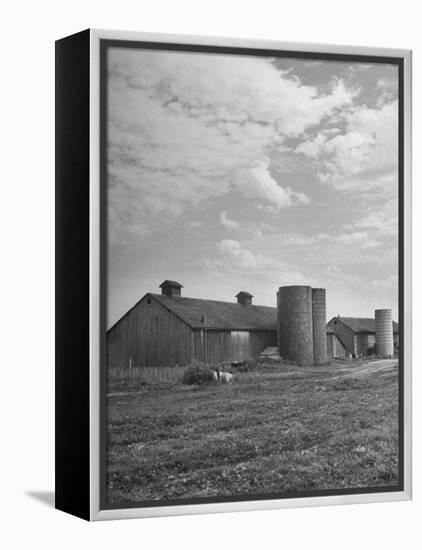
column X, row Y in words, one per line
column 185, row 128
column 295, row 239
column 261, row 273
column 244, row 257
column 313, row 147
column 257, row 183
column 384, row 222
column 364, row 158
column 360, row 238
column 225, row 221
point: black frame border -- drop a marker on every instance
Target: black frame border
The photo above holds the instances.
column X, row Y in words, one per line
column 72, row 275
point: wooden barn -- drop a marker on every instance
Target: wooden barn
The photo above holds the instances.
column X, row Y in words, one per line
column 167, row 329
column 335, row 347
column 357, row 334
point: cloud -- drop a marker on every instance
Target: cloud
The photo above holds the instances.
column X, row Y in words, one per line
column 360, row 238
column 244, row 257
column 185, row 128
column 384, row 222
column 294, row 239
column 262, row 274
column 225, row 221
column 256, row 182
column 194, row 224
column 362, row 160
column 313, row 147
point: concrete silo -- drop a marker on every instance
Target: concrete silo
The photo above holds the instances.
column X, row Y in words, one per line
column 384, row 332
column 278, row 324
column 295, row 330
column 319, row 320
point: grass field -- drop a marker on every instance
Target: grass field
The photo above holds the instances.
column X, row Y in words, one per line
column 276, row 429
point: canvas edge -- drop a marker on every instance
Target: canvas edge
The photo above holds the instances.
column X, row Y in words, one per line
column 144, row 512
column 407, row 268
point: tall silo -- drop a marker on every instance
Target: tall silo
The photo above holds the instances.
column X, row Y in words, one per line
column 295, row 324
column 278, row 324
column 384, row 332
column 319, row 324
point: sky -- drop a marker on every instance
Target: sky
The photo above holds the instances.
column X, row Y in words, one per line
column 231, row 173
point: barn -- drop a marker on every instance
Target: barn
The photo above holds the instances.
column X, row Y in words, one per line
column 168, row 329
column 358, row 334
column 335, row 347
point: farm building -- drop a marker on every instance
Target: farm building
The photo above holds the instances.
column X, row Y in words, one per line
column 335, row 347
column 167, row 329
column 358, row 334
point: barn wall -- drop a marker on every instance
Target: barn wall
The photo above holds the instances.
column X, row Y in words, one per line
column 212, row 347
column 261, row 340
column 363, row 342
column 345, row 334
column 330, row 346
column 224, row 346
column 151, row 336
column 335, row 349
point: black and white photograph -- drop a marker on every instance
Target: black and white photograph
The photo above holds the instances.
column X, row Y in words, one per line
column 253, row 315
column 210, row 237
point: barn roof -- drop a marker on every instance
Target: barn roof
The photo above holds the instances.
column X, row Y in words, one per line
column 363, row 324
column 212, row 314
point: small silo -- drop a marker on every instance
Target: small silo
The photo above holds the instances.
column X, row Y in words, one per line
column 295, row 324
column 319, row 324
column 384, row 332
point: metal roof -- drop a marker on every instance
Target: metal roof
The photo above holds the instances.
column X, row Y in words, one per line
column 212, row 314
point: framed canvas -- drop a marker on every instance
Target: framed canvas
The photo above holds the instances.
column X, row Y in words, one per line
column 233, row 282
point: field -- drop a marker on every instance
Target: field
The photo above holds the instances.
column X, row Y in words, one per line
column 277, row 429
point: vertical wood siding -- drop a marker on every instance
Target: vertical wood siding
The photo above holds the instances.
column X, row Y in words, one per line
column 345, row 334
column 363, row 342
column 335, row 349
column 149, row 336
column 215, row 347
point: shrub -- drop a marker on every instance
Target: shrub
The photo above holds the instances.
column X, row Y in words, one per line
column 197, row 373
column 372, row 350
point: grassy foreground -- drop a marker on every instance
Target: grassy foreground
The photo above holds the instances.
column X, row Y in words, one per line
column 277, row 429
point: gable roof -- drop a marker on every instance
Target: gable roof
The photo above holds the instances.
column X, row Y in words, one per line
column 212, row 314
column 362, row 324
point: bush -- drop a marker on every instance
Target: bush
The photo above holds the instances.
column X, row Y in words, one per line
column 197, row 373
column 372, row 350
